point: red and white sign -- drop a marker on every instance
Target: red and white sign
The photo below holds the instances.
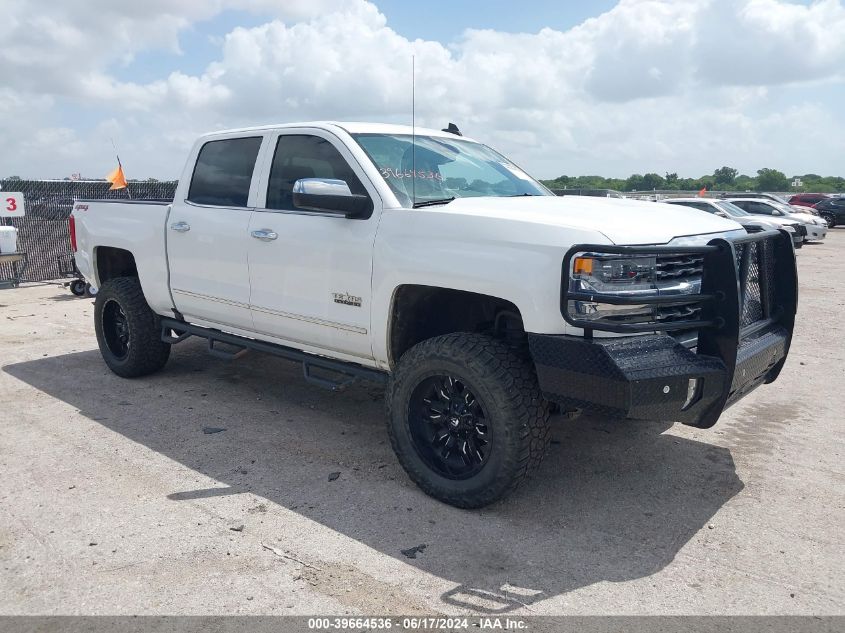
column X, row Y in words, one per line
column 11, row 205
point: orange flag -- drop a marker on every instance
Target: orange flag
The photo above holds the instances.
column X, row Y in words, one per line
column 700, row 193
column 117, row 179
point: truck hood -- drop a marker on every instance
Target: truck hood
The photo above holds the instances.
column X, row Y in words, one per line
column 622, row 221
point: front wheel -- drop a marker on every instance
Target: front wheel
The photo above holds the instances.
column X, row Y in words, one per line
column 831, row 222
column 128, row 331
column 466, row 418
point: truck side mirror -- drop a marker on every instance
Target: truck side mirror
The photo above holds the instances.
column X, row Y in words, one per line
column 329, row 195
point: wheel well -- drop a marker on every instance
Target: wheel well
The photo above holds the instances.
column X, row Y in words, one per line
column 423, row 312
column 114, row 262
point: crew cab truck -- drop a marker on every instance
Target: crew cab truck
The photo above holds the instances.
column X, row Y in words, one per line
column 430, row 263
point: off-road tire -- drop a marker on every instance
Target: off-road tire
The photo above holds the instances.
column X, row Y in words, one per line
column 146, row 353
column 505, row 382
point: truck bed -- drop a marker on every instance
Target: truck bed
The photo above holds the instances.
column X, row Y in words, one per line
column 136, row 226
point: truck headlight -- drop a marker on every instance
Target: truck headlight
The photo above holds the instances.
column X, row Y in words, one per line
column 633, row 289
column 611, row 274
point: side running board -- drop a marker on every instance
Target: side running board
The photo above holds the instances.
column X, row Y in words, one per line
column 341, row 374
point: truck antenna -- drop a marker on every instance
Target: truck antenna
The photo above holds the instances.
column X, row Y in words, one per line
column 413, row 133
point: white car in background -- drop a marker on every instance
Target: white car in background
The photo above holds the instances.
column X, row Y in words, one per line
column 816, row 226
column 796, row 208
column 751, row 223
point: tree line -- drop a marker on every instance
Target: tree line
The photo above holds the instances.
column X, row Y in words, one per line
column 723, row 179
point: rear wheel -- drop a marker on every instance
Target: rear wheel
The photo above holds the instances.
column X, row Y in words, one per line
column 128, row 331
column 466, row 418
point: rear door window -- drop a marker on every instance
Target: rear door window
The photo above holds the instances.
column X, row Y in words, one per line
column 223, row 173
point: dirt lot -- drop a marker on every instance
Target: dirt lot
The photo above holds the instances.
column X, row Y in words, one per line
column 114, row 500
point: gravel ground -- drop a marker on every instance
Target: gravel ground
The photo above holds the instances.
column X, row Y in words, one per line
column 115, row 498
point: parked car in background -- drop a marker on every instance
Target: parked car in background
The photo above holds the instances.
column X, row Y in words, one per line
column 832, row 210
column 755, row 194
column 807, row 199
column 816, row 226
column 770, row 196
column 751, row 223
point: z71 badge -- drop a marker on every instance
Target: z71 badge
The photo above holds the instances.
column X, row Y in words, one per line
column 347, row 299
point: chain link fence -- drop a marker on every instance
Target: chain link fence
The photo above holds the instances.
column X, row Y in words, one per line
column 43, row 231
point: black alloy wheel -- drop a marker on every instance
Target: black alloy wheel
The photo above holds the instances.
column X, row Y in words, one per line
column 449, row 427
column 116, row 329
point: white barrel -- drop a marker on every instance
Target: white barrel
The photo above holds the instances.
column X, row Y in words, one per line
column 8, row 239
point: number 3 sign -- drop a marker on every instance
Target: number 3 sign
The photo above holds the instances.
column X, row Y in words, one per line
column 11, row 205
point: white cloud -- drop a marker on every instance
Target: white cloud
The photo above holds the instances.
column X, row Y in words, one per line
column 651, row 85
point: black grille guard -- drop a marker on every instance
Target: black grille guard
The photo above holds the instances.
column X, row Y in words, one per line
column 725, row 331
column 725, row 266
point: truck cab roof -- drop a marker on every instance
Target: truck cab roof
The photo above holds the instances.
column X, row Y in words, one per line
column 351, row 127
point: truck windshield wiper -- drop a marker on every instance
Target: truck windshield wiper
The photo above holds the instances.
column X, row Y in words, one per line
column 429, row 203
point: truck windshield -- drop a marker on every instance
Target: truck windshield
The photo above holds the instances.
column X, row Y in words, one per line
column 440, row 168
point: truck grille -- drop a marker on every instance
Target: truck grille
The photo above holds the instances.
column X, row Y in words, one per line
column 755, row 265
column 672, row 314
column 680, row 267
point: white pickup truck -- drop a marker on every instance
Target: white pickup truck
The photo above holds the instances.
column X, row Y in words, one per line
column 428, row 262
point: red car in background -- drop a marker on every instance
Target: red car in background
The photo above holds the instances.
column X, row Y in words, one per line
column 807, row 199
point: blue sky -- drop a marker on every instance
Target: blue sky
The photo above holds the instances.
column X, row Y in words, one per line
column 441, row 20
column 445, row 21
column 601, row 87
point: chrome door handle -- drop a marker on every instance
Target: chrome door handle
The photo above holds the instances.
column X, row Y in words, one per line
column 265, row 235
column 180, row 226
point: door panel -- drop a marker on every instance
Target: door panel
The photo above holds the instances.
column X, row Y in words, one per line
column 312, row 283
column 209, row 275
column 207, row 234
